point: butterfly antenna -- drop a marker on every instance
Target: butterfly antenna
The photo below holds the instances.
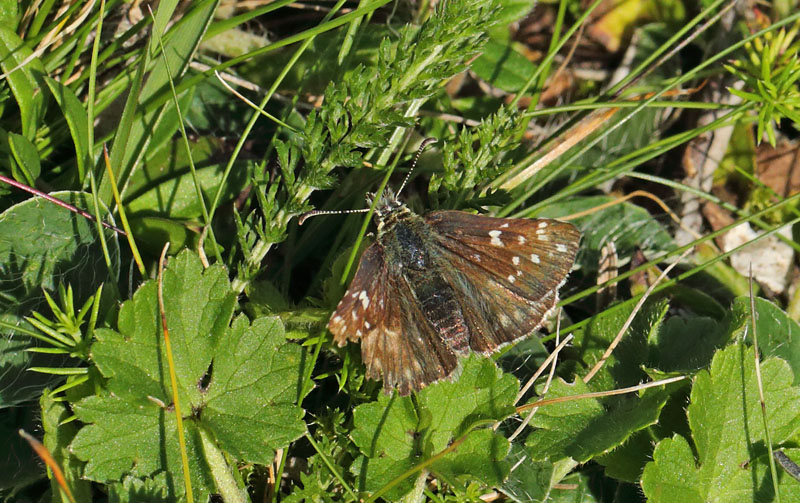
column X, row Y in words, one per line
column 306, row 216
column 425, row 143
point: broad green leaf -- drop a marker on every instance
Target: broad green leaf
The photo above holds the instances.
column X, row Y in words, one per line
column 627, row 461
column 502, row 66
column 42, row 245
column 481, row 393
column 395, row 435
column 384, row 431
column 254, row 386
column 175, row 196
column 152, row 232
column 582, row 429
column 28, row 167
column 77, row 120
column 728, row 434
column 237, row 384
column 141, row 440
column 624, row 366
column 686, row 344
column 198, row 305
column 778, row 334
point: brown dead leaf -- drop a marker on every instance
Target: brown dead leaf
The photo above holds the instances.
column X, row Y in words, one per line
column 779, row 168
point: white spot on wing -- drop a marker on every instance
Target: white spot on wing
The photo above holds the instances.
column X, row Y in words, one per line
column 561, row 248
column 337, row 319
column 521, row 239
column 535, row 258
column 515, row 260
column 544, row 238
column 367, row 325
column 364, row 299
column 542, row 225
column 511, row 278
column 504, row 226
column 495, row 235
column 476, row 257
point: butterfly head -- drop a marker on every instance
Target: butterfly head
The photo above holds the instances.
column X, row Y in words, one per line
column 388, row 210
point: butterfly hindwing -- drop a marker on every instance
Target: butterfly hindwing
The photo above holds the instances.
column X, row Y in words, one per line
column 397, row 345
column 506, row 271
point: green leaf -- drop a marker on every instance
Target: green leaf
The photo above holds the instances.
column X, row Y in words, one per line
column 26, row 157
column 77, row 120
column 132, row 490
column 395, row 435
column 42, row 245
column 582, row 429
column 138, row 124
column 57, row 437
column 778, row 334
column 624, row 366
column 142, row 440
column 686, row 344
column 545, row 481
column 175, row 196
column 728, row 432
column 247, row 406
column 255, row 384
column 25, row 80
column 502, row 66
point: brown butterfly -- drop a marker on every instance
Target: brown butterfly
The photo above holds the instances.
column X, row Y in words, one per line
column 435, row 287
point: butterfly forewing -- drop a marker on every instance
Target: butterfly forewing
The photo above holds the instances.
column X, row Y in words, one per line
column 396, row 344
column 506, row 271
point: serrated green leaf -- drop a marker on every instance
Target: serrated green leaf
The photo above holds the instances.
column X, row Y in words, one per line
column 778, row 334
column 198, row 305
column 395, row 435
column 582, row 429
column 624, row 366
column 255, row 384
column 133, row 490
column 481, row 393
column 142, row 440
column 686, row 344
column 543, row 481
column 481, row 456
column 728, row 432
column 247, row 406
